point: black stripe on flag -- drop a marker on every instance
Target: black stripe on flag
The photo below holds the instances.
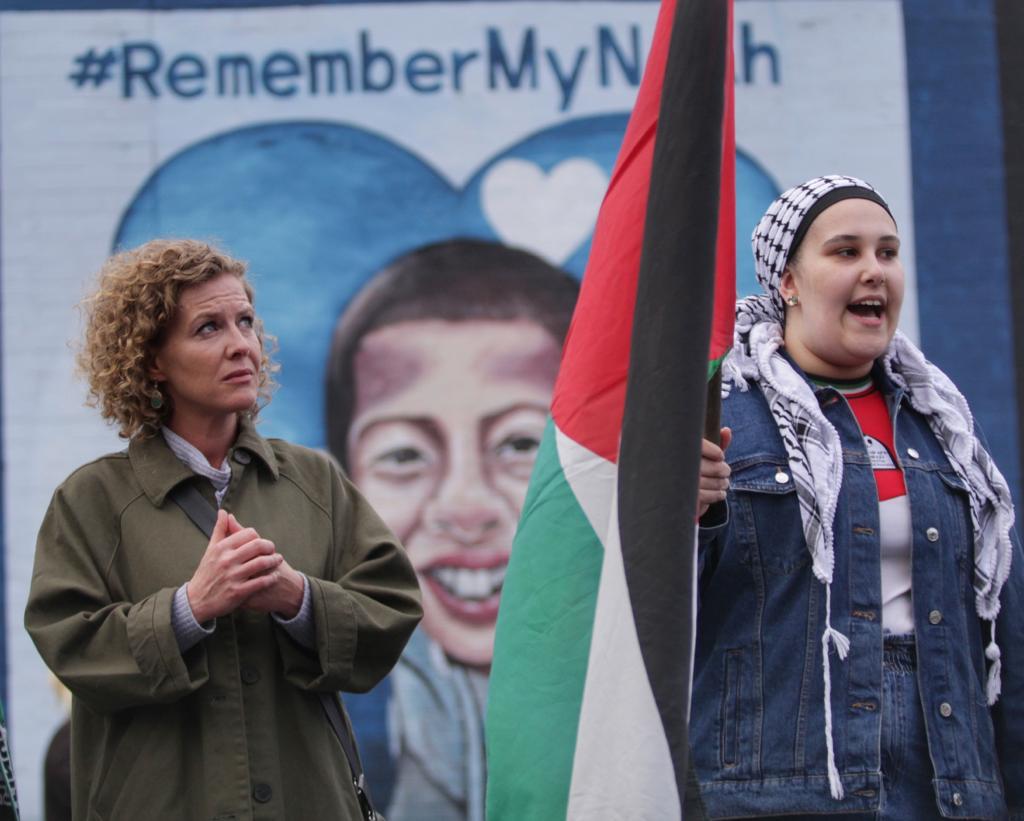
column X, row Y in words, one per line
column 667, row 383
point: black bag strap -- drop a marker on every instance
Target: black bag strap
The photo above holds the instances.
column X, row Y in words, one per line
column 333, row 712
column 201, row 512
column 196, row 507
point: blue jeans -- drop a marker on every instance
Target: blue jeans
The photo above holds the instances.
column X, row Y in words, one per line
column 907, row 793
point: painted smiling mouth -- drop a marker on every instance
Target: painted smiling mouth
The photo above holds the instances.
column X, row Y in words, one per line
column 871, row 307
column 474, row 584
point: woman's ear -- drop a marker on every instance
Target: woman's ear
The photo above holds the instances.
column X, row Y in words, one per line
column 787, row 285
column 154, row 372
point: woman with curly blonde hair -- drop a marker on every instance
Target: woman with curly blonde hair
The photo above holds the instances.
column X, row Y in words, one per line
column 202, row 666
column 138, row 293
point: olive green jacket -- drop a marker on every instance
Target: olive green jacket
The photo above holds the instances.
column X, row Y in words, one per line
column 233, row 729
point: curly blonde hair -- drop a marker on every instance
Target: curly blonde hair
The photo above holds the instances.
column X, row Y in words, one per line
column 135, row 299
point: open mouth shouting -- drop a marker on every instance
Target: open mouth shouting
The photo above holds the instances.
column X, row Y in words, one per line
column 469, row 587
column 869, row 310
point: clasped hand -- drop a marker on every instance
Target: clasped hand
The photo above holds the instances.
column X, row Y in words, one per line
column 241, row 570
column 714, row 473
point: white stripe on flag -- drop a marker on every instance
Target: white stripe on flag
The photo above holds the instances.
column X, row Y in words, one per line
column 623, row 767
column 592, row 479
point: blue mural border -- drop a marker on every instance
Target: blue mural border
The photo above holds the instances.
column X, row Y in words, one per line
column 1009, row 25
column 961, row 232
column 180, row 5
column 183, row 5
column 3, row 486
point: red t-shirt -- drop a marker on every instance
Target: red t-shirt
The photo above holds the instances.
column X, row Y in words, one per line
column 872, row 412
column 895, row 535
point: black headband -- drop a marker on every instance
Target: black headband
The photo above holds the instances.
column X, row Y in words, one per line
column 848, row 192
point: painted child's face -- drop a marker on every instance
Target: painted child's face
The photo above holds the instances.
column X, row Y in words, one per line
column 447, row 420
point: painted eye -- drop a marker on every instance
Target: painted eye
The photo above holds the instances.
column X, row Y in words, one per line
column 401, row 463
column 516, row 454
column 402, row 456
column 518, row 445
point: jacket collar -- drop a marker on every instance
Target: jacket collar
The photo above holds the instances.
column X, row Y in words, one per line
column 159, row 470
column 248, row 439
column 884, row 383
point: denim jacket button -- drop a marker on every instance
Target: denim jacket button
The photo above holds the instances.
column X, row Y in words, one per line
column 958, row 799
column 782, row 477
column 946, row 710
column 935, row 616
column 932, row 534
column 913, row 454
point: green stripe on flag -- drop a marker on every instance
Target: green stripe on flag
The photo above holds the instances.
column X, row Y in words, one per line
column 715, row 364
column 542, row 645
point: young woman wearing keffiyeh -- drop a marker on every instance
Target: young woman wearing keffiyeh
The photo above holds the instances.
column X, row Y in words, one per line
column 857, row 563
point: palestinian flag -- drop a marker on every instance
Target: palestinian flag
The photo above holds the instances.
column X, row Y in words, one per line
column 590, row 688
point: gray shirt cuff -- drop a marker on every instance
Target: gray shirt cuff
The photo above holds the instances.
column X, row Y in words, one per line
column 187, row 630
column 301, row 626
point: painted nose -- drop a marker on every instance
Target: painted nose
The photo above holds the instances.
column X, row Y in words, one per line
column 466, row 509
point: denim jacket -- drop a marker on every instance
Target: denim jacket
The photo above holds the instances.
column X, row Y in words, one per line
column 757, row 725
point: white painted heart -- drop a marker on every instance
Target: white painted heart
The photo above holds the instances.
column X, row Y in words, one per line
column 550, row 214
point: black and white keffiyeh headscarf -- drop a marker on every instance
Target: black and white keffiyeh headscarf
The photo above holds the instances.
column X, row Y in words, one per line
column 812, row 443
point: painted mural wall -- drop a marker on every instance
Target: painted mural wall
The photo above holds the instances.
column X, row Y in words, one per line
column 339, row 148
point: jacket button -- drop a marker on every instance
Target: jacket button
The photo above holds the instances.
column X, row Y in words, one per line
column 782, row 477
column 935, row 616
column 242, row 457
column 262, row 793
column 249, row 675
column 913, row 454
column 932, row 534
column 958, row 800
column 946, row 709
